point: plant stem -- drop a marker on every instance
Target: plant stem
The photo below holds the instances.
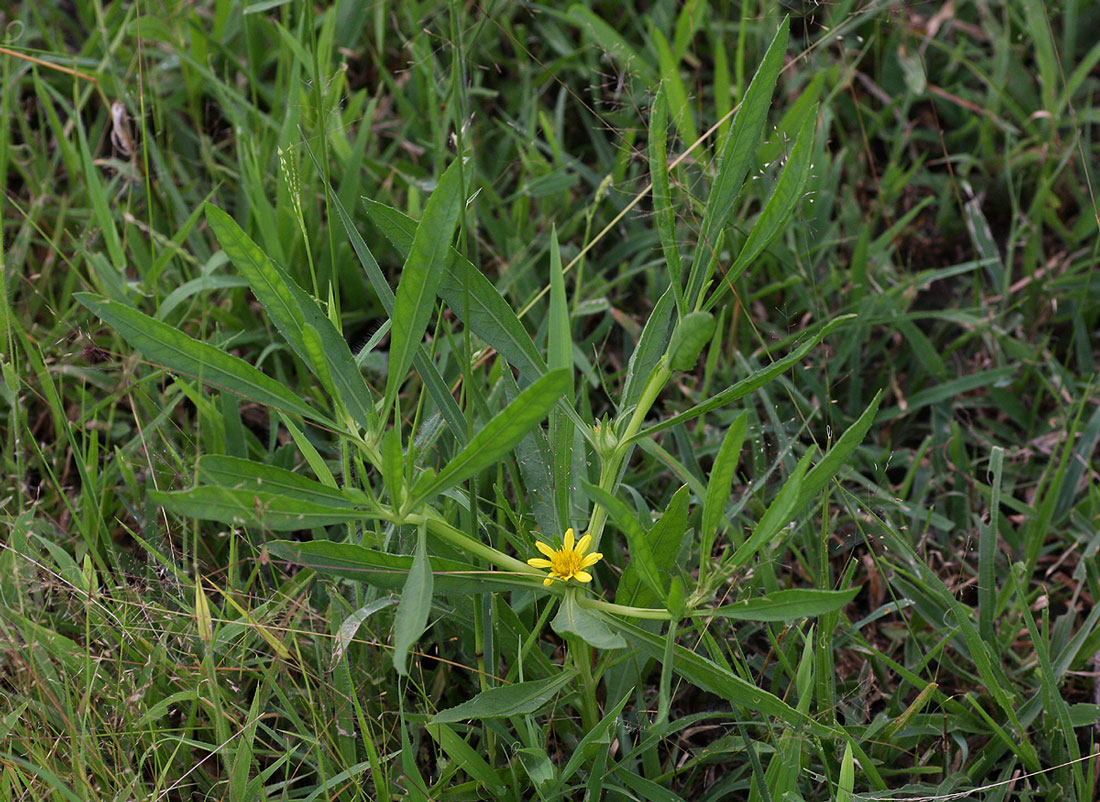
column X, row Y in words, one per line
column 612, row 466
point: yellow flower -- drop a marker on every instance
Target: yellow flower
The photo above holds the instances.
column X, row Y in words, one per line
column 569, row 562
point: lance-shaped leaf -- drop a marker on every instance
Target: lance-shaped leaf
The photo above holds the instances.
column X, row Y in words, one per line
column 498, row 437
column 416, row 602
column 737, row 154
column 389, row 571
column 511, row 700
column 415, row 299
column 258, row 508
column 784, row 605
column 169, row 347
column 469, row 294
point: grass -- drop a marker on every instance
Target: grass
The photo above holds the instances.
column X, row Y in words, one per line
column 854, row 494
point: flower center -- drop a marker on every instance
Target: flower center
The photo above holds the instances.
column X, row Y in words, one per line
column 566, row 563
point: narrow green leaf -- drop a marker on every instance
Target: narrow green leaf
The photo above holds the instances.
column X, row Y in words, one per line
column 416, row 292
column 663, row 212
column 268, row 283
column 673, row 86
column 987, row 551
column 948, row 390
column 779, row 208
column 779, row 513
column 839, row 455
column 846, row 782
column 511, row 700
column 468, row 758
column 258, row 508
column 749, row 384
column 169, row 347
column 647, row 353
column 243, row 474
column 559, row 335
column 612, row 43
column 720, row 482
column 737, row 153
column 588, row 625
column 499, row 436
column 434, row 383
column 710, row 677
column 490, row 316
column 411, row 617
column 389, row 571
column 785, row 605
column 641, row 555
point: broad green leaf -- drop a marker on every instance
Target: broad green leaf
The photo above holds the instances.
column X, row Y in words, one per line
column 243, row 474
column 588, row 625
column 259, row 508
column 467, row 291
column 411, row 617
column 511, row 700
column 170, row 348
column 499, row 436
column 691, row 336
column 415, row 297
column 738, row 152
column 779, row 208
column 785, row 605
column 389, row 571
column 779, row 513
column 748, row 384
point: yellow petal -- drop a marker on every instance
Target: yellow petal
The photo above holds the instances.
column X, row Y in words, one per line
column 539, row 563
column 569, row 539
column 548, row 581
column 582, row 576
column 591, row 559
column 549, row 552
column 584, row 543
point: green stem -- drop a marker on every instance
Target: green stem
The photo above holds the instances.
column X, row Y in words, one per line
column 456, row 537
column 648, row 613
column 609, row 473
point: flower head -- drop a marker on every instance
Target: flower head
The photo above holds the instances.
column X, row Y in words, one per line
column 569, row 562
